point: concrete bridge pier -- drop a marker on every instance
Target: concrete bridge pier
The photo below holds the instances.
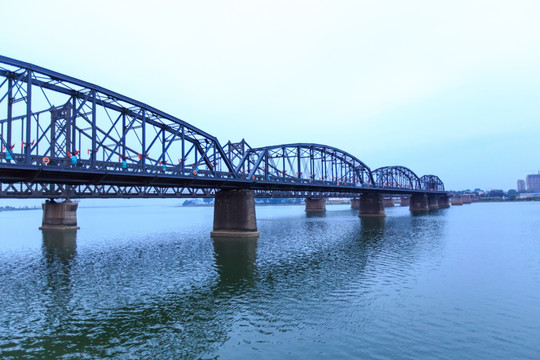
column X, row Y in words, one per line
column 62, row 215
column 466, row 198
column 444, row 202
column 355, row 204
column 315, row 205
column 457, row 200
column 433, row 202
column 234, row 214
column 405, row 200
column 419, row 203
column 388, row 202
column 371, row 205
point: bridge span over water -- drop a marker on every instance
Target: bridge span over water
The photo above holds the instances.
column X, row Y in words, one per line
column 64, row 138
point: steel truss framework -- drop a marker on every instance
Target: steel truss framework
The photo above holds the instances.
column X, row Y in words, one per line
column 397, row 177
column 431, row 183
column 47, row 118
column 63, row 137
column 304, row 163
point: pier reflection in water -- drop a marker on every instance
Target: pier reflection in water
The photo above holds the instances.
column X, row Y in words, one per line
column 59, row 247
column 315, row 214
column 59, row 250
column 235, row 261
column 373, row 226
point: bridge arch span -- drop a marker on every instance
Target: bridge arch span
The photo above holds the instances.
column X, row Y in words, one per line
column 398, row 177
column 431, row 183
column 304, row 163
column 48, row 115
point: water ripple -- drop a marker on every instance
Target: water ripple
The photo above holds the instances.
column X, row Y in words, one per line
column 444, row 285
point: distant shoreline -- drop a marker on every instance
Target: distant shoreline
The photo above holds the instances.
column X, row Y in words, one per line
column 264, row 204
column 11, row 208
column 508, row 200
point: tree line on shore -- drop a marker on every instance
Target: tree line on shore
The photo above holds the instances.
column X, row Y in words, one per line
column 497, row 194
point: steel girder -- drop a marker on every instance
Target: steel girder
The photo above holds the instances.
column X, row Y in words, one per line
column 398, row 177
column 431, row 183
column 52, row 191
column 31, row 190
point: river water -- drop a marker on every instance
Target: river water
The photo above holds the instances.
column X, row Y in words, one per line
column 147, row 281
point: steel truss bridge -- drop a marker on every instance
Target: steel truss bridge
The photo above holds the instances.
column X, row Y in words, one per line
column 62, row 137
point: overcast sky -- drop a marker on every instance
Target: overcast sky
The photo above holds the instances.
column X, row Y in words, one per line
column 448, row 88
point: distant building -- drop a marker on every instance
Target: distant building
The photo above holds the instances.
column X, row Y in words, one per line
column 533, row 182
column 521, row 186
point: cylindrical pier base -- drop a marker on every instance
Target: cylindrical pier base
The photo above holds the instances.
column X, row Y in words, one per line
column 405, row 200
column 315, row 205
column 59, row 215
column 355, row 204
column 444, row 202
column 388, row 202
column 433, row 202
column 234, row 214
column 419, row 203
column 371, row 205
column 457, row 200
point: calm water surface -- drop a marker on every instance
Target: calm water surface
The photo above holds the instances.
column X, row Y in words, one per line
column 149, row 282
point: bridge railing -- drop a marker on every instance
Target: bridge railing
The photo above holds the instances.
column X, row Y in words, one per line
column 63, row 163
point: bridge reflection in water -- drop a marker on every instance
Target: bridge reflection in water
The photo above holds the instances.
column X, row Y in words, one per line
column 180, row 293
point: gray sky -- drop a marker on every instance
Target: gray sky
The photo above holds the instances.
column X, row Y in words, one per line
column 445, row 88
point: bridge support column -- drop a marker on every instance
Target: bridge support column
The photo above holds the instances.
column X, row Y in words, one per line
column 457, row 200
column 355, row 204
column 466, row 198
column 388, row 202
column 405, row 200
column 419, row 203
column 234, row 214
column 315, row 205
column 59, row 215
column 371, row 205
column 433, row 202
column 444, row 202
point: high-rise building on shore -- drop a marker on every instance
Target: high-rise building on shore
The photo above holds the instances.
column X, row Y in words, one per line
column 533, row 182
column 521, row 185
